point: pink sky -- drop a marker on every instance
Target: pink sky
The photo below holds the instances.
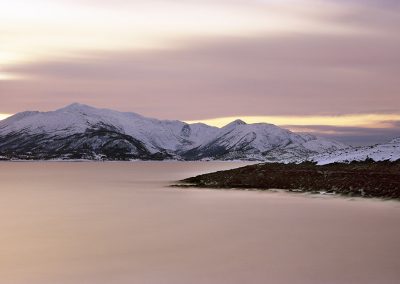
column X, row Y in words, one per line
column 198, row 60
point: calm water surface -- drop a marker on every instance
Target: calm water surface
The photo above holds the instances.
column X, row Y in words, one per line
column 98, row 223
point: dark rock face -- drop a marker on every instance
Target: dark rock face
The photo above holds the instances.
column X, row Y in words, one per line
column 219, row 150
column 95, row 143
column 368, row 178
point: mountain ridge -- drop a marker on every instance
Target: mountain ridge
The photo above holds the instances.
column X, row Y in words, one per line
column 85, row 132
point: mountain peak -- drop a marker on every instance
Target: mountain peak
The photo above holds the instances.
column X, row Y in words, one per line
column 76, row 106
column 235, row 123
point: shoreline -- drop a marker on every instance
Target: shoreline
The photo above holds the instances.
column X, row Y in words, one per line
column 357, row 179
column 292, row 193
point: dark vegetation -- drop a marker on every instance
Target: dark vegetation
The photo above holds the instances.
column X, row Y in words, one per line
column 367, row 178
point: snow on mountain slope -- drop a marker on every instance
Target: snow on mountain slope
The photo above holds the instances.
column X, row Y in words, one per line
column 77, row 118
column 381, row 152
column 81, row 130
column 261, row 141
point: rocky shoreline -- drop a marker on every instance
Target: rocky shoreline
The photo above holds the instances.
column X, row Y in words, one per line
column 365, row 179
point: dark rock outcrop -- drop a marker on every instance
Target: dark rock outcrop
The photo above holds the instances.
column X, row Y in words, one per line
column 368, row 178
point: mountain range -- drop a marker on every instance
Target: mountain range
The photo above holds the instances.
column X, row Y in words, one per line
column 80, row 131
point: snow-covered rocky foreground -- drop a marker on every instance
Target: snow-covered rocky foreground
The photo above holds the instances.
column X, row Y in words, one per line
column 381, row 152
column 83, row 132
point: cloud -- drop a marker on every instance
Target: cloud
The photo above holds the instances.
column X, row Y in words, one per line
column 40, row 29
column 350, row 120
column 356, row 136
column 258, row 58
column 290, row 75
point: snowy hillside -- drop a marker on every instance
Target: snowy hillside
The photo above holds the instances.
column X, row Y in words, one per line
column 260, row 141
column 81, row 131
column 381, row 152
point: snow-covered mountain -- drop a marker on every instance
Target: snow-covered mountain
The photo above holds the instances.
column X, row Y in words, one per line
column 380, row 152
column 260, row 141
column 80, row 131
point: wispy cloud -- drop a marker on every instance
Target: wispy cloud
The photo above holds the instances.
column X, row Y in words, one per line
column 352, row 135
column 314, row 122
column 41, row 29
column 296, row 75
column 193, row 60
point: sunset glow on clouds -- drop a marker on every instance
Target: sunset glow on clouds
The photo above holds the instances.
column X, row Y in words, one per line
column 359, row 120
column 295, row 63
column 42, row 29
column 4, row 116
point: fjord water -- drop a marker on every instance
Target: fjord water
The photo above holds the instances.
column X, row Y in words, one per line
column 121, row 223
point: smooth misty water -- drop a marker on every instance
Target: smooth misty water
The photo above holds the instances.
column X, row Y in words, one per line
column 119, row 223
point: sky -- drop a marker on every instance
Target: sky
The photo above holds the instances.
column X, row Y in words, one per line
column 328, row 67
